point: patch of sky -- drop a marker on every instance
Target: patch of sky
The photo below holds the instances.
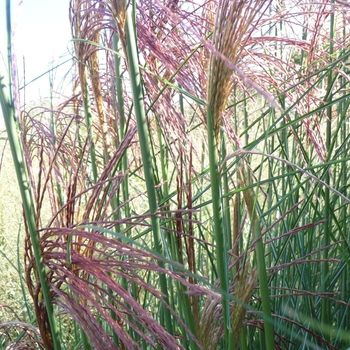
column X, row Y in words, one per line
column 41, row 41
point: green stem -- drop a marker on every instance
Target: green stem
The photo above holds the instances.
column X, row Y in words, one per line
column 139, row 109
column 221, row 250
column 7, row 107
column 119, row 103
column 122, row 121
column 28, row 203
column 327, row 208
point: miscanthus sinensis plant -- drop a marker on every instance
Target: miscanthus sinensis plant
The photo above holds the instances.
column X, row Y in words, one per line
column 196, row 179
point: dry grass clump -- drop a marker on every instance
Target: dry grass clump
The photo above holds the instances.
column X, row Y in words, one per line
column 211, row 329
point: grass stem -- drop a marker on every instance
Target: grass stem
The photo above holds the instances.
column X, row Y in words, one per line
column 137, row 93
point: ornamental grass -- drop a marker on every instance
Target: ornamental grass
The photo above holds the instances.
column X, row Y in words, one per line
column 191, row 190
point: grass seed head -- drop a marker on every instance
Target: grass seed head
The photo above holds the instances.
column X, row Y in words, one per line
column 211, row 329
column 231, row 31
